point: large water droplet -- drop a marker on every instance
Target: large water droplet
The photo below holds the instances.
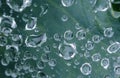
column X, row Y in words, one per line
column 31, row 23
column 113, row 48
column 86, row 69
column 35, row 40
column 67, row 3
column 67, row 50
column 19, row 6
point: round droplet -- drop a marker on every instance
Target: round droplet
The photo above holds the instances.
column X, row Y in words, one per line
column 105, row 63
column 68, row 35
column 4, row 62
column 35, row 40
column 41, row 74
column 44, row 57
column 31, row 23
column 81, row 34
column 19, row 6
column 64, row 18
column 52, row 62
column 47, row 49
column 67, row 50
column 3, row 41
column 96, row 39
column 117, row 69
column 57, row 37
column 96, row 57
column 86, row 69
column 89, row 45
column 113, row 48
column 67, row 3
column 40, row 65
column 28, row 55
column 8, row 72
column 108, row 32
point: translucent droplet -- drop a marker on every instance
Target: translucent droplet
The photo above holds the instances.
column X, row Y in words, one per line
column 89, row 45
column 57, row 37
column 86, row 69
column 67, row 3
column 96, row 39
column 107, row 76
column 36, row 40
column 77, row 26
column 52, row 62
column 44, row 9
column 101, row 5
column 8, row 72
column 67, row 50
column 28, row 55
column 31, row 23
column 96, row 57
column 64, row 18
column 6, row 31
column 40, row 65
column 68, row 35
column 113, row 48
column 117, row 69
column 3, row 41
column 4, row 62
column 8, row 22
column 108, row 32
column 19, row 6
column 44, row 57
column 47, row 49
column 41, row 74
column 81, row 34
column 105, row 63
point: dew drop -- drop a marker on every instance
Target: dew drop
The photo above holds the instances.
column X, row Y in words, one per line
column 8, row 72
column 64, row 18
column 52, row 62
column 35, row 40
column 108, row 32
column 68, row 35
column 67, row 3
column 19, row 6
column 105, row 63
column 89, row 45
column 86, row 69
column 117, row 69
column 4, row 62
column 67, row 50
column 3, row 41
column 31, row 23
column 113, row 48
column 81, row 34
column 96, row 57
column 40, row 65
column 96, row 39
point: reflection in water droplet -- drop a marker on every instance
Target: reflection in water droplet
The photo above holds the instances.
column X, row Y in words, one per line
column 35, row 40
column 31, row 23
column 89, row 45
column 105, row 63
column 67, row 3
column 68, row 35
column 108, row 32
column 86, row 69
column 96, row 57
column 96, row 38
column 67, row 50
column 113, row 48
column 19, row 6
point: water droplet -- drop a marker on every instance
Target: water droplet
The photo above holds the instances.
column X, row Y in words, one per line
column 101, row 5
column 52, row 62
column 117, row 69
column 67, row 3
column 81, row 34
column 8, row 72
column 31, row 23
column 44, row 57
column 57, row 37
column 68, row 35
column 41, row 74
column 19, row 6
column 86, row 69
column 113, row 48
column 105, row 63
column 40, row 65
column 47, row 49
column 96, row 38
column 108, row 32
column 3, row 41
column 89, row 45
column 64, row 18
column 4, row 62
column 96, row 57
column 67, row 50
column 35, row 40
column 28, row 55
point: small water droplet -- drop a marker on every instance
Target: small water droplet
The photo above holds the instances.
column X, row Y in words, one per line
column 86, row 69
column 105, row 63
column 117, row 69
column 81, row 34
column 52, row 62
column 96, row 38
column 64, row 18
column 89, row 45
column 96, row 57
column 68, row 35
column 108, row 32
